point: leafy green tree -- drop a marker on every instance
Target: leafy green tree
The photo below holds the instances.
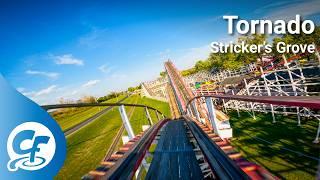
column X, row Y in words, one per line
column 163, row 74
column 301, row 38
column 131, row 89
column 109, row 96
column 188, row 72
column 202, row 65
column 254, row 39
column 216, row 60
column 231, row 61
column 236, row 60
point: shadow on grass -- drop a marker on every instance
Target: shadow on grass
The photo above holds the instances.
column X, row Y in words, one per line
column 267, row 143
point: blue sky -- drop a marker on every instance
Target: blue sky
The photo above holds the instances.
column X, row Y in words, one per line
column 69, row 49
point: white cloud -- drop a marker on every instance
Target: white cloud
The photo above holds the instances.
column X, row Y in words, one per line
column 46, row 91
column 95, row 38
column 43, row 73
column 288, row 9
column 118, row 76
column 67, row 59
column 74, row 92
column 91, row 83
column 53, row 93
column 21, row 89
column 29, row 94
column 188, row 57
column 104, row 68
column 41, row 92
column 165, row 52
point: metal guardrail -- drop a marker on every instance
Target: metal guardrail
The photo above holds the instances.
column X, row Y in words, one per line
column 57, row 106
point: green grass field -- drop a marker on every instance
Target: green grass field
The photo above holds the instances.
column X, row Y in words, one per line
column 87, row 147
column 139, row 116
column 249, row 135
column 69, row 119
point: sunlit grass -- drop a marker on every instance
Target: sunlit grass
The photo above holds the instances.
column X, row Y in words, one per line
column 87, row 147
column 74, row 116
column 283, row 134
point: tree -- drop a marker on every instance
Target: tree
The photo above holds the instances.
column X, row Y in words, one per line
column 88, row 99
column 230, row 60
column 131, row 89
column 216, row 60
column 301, row 38
column 254, row 39
column 163, row 74
column 202, row 65
column 109, row 96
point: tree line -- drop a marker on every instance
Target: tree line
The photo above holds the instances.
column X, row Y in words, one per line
column 111, row 95
column 231, row 61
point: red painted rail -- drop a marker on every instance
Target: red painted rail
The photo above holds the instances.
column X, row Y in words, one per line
column 299, row 101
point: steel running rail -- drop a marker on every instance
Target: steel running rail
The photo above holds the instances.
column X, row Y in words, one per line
column 299, row 101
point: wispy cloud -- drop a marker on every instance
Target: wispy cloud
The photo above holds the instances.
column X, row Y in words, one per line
column 91, row 83
column 288, row 9
column 43, row 73
column 30, row 94
column 165, row 54
column 21, row 89
column 67, row 59
column 188, row 57
column 74, row 92
column 118, row 76
column 41, row 92
column 53, row 93
column 94, row 39
column 105, row 68
column 43, row 96
column 46, row 91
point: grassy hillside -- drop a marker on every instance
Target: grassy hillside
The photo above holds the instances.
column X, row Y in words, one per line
column 139, row 116
column 74, row 116
column 250, row 138
column 87, row 147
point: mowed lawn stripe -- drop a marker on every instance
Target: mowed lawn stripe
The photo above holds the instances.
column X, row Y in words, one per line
column 87, row 147
column 139, row 117
column 68, row 121
column 71, row 119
